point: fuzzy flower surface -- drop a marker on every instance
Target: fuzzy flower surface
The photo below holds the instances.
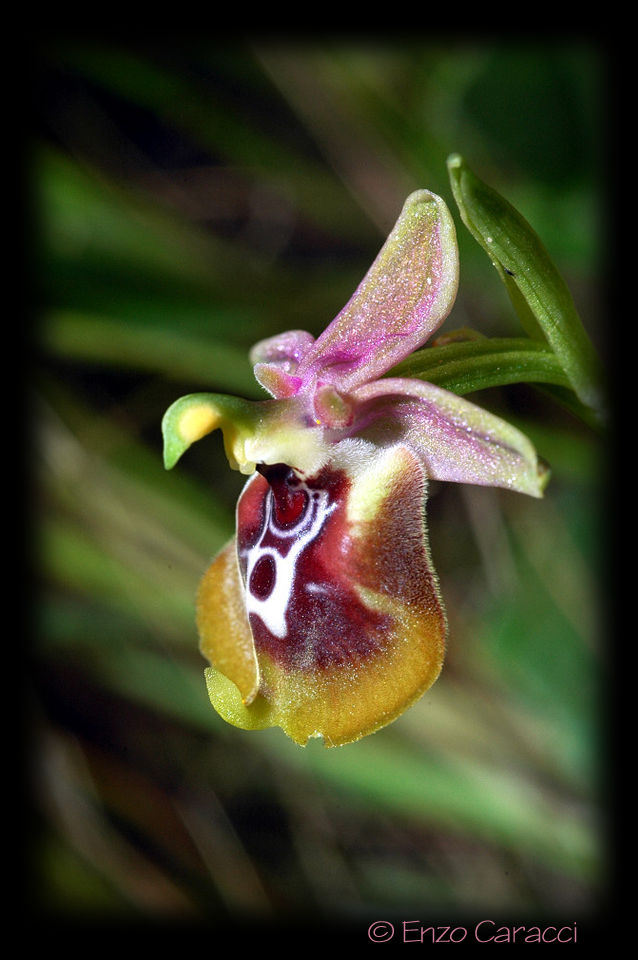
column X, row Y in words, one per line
column 323, row 616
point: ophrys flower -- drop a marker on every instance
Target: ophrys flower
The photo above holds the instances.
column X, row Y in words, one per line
column 323, row 616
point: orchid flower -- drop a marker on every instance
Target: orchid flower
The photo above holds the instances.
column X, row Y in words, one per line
column 323, row 616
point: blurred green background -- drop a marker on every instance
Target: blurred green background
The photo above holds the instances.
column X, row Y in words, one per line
column 187, row 198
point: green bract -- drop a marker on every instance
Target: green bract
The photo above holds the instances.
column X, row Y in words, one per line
column 538, row 292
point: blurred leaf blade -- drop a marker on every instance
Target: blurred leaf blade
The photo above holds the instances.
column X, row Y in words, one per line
column 176, row 356
column 213, row 122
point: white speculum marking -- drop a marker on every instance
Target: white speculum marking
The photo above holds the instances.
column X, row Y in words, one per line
column 272, row 610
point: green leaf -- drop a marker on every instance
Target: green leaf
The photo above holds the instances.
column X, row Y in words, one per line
column 538, row 292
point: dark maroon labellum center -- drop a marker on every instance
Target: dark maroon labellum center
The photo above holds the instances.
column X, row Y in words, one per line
column 294, row 552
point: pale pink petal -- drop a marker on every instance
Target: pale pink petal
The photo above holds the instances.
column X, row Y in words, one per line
column 456, row 440
column 276, row 359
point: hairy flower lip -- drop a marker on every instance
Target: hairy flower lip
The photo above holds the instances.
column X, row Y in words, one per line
column 385, row 647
